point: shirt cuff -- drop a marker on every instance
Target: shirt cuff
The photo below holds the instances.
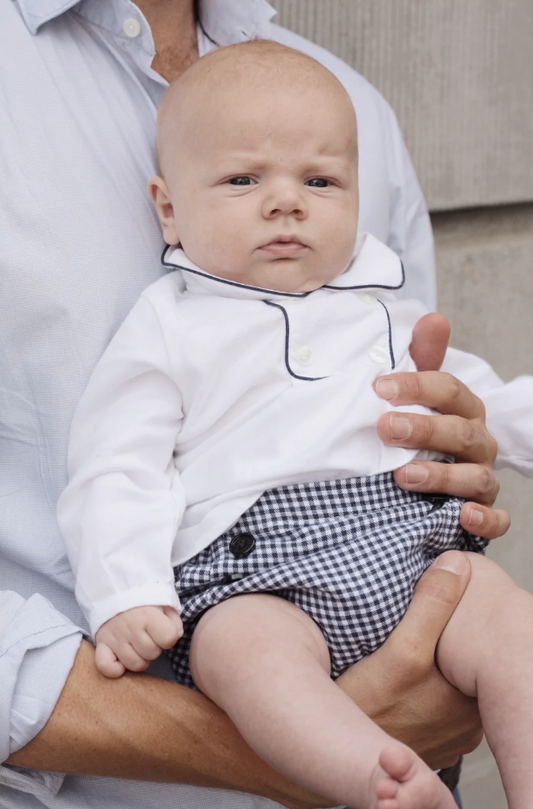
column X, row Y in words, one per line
column 155, row 595
column 37, row 649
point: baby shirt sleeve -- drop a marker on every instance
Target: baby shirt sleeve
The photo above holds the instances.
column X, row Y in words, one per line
column 120, row 512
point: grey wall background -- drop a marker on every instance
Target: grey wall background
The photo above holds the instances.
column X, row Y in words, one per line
column 458, row 74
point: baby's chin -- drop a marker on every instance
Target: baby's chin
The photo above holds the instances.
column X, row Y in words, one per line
column 289, row 275
column 284, row 276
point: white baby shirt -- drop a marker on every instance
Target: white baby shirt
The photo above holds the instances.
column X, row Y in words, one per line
column 212, row 392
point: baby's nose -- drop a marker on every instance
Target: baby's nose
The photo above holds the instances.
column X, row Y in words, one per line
column 285, row 199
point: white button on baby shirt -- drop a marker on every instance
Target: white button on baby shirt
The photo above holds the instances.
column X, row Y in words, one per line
column 378, row 354
column 131, row 27
column 365, row 297
column 303, row 355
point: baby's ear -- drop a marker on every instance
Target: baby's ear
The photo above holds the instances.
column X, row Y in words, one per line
column 159, row 194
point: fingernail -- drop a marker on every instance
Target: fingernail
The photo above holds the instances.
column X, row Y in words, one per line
column 400, row 427
column 476, row 517
column 415, row 473
column 386, row 388
column 453, row 561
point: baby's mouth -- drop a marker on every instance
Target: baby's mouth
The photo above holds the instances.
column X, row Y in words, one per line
column 285, row 246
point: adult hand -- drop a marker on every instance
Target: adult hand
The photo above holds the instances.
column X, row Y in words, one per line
column 400, row 687
column 459, row 431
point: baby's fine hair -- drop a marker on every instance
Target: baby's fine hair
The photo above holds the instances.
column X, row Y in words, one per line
column 257, row 62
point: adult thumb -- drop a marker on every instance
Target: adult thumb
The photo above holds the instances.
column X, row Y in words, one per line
column 435, row 598
column 430, row 341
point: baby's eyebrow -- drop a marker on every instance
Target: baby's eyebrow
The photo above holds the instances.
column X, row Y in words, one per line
column 244, row 158
column 326, row 163
column 239, row 160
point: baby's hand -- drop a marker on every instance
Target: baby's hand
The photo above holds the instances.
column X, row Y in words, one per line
column 133, row 638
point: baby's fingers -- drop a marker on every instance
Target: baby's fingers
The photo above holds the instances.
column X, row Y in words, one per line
column 171, row 613
column 165, row 628
column 130, row 657
column 107, row 662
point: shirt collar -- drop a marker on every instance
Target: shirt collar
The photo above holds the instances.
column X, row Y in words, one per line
column 373, row 266
column 227, row 22
column 36, row 12
column 224, row 21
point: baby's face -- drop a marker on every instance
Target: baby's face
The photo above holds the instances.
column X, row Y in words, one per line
column 262, row 185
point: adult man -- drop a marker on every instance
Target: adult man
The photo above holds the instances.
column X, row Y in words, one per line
column 81, row 87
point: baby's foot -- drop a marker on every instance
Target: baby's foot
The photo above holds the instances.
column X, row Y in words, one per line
column 403, row 781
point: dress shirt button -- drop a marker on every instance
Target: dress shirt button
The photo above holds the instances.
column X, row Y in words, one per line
column 303, row 355
column 378, row 354
column 365, row 297
column 242, row 545
column 131, row 27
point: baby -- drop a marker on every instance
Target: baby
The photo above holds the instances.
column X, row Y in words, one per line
column 226, row 446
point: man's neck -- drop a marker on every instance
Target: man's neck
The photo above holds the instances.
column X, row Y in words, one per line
column 173, row 25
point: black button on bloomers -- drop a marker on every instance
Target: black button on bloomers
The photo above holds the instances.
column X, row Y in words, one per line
column 242, row 545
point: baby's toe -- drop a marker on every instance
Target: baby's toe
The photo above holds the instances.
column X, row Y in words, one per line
column 398, row 762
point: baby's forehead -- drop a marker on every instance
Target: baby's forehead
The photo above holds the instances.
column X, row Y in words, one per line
column 256, row 70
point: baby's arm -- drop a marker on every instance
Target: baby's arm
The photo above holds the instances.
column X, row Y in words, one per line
column 120, row 512
column 133, row 638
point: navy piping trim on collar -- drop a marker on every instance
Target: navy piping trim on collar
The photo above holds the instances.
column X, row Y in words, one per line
column 391, row 350
column 372, row 286
column 287, row 334
column 276, row 291
column 166, row 248
column 200, row 23
column 231, row 283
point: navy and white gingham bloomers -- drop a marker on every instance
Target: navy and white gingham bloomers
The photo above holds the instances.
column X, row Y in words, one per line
column 348, row 552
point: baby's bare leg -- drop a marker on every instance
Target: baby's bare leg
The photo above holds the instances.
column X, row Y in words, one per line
column 486, row 651
column 266, row 663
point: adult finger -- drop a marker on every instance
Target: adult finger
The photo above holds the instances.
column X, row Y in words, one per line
column 436, row 389
column 107, row 662
column 489, row 523
column 399, row 685
column 430, row 339
column 434, row 600
column 466, row 439
column 467, row 480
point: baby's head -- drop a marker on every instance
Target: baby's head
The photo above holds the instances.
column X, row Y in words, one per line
column 257, row 149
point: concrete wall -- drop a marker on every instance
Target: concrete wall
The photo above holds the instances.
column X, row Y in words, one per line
column 457, row 73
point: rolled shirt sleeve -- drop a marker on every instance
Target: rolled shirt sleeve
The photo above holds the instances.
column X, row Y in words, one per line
column 37, row 649
column 509, row 408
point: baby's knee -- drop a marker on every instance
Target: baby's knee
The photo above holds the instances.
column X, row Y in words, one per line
column 487, row 576
column 244, row 634
column 225, row 637
column 215, row 641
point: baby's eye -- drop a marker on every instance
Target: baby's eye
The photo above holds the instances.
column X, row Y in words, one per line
column 244, row 180
column 318, row 182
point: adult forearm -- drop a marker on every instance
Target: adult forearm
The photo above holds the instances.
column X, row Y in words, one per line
column 142, row 728
column 139, row 727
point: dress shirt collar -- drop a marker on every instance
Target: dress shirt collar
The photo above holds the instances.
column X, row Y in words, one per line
column 373, row 266
column 224, row 21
